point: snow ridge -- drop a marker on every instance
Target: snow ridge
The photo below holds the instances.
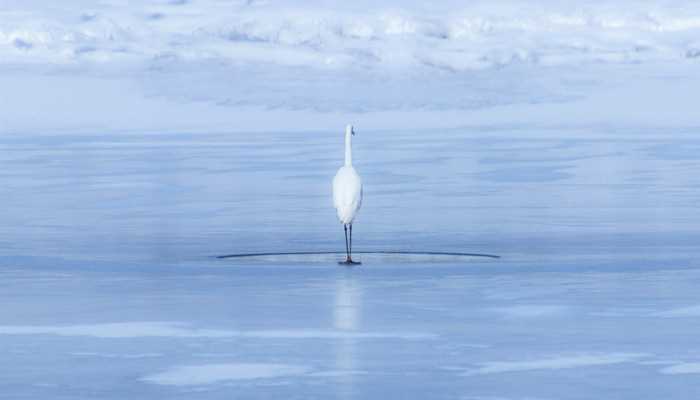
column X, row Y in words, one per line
column 451, row 36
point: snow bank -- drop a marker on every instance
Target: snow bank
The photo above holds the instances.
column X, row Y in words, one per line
column 214, row 65
column 451, row 36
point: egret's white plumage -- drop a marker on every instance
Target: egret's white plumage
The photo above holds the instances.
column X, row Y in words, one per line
column 347, row 193
column 347, row 185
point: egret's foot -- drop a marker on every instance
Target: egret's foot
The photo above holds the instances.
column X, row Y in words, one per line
column 349, row 262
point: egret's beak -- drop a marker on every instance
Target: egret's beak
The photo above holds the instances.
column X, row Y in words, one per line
column 353, row 132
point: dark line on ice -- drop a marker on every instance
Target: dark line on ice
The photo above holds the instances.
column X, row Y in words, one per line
column 304, row 253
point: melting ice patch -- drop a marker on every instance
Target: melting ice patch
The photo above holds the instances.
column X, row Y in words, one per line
column 530, row 311
column 337, row 373
column 554, row 363
column 683, row 368
column 181, row 330
column 115, row 330
column 690, row 311
column 115, row 355
column 213, row 373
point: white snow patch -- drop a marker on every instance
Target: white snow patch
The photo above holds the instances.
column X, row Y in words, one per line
column 499, row 398
column 115, row 330
column 625, row 312
column 530, row 311
column 691, row 311
column 554, row 363
column 213, row 373
column 116, row 355
column 337, row 373
column 683, row 368
column 181, row 330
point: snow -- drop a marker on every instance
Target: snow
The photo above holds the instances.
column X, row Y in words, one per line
column 451, row 35
column 690, row 311
column 530, row 311
column 180, row 330
column 213, row 373
column 577, row 361
column 222, row 66
column 683, row 368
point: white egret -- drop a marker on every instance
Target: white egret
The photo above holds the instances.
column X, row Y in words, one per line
column 347, row 193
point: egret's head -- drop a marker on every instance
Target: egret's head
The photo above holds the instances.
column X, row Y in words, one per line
column 349, row 130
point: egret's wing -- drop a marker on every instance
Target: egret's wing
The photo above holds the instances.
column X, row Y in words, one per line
column 336, row 191
column 359, row 203
column 347, row 193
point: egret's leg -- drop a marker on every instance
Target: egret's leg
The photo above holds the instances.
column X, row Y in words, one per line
column 347, row 247
column 350, row 242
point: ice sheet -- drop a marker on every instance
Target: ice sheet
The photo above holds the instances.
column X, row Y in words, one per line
column 110, row 283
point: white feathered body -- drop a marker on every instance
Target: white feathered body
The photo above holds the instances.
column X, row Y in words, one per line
column 347, row 193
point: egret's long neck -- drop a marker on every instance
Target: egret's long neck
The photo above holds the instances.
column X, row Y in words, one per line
column 348, row 149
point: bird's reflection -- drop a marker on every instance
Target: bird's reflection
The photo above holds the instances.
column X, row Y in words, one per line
column 347, row 317
column 347, row 311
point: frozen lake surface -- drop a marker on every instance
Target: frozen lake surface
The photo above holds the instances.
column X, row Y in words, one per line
column 111, row 289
